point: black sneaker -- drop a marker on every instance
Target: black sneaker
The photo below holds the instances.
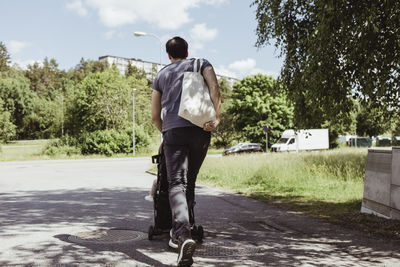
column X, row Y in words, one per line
column 173, row 242
column 186, row 250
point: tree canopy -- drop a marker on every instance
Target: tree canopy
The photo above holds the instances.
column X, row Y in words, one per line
column 7, row 128
column 334, row 50
column 4, row 57
column 257, row 101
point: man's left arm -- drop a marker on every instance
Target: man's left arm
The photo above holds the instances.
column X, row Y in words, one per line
column 212, row 83
column 156, row 109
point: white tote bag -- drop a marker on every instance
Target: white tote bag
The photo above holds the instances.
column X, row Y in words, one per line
column 196, row 105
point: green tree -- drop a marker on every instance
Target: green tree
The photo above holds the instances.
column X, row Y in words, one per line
column 44, row 78
column 102, row 102
column 137, row 79
column 225, row 134
column 18, row 98
column 371, row 121
column 4, row 57
column 258, row 101
column 45, row 119
column 335, row 49
column 396, row 126
column 86, row 67
column 142, row 104
column 7, row 128
column 135, row 72
column 225, row 88
column 309, row 114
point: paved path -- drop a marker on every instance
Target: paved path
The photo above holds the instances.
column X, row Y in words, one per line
column 92, row 213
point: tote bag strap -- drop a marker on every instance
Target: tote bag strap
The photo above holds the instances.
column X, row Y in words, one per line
column 195, row 65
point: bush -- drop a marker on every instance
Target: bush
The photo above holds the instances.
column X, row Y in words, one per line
column 103, row 142
column 62, row 150
column 61, row 147
column 109, row 142
column 142, row 139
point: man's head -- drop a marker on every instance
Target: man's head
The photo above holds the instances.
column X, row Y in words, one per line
column 177, row 47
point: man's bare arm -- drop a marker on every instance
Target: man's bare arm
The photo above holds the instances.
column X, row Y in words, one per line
column 156, row 109
column 212, row 83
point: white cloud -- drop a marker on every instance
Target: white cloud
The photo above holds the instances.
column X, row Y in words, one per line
column 215, row 2
column 199, row 35
column 15, row 47
column 221, row 70
column 243, row 68
column 165, row 14
column 200, row 32
column 78, row 7
column 23, row 64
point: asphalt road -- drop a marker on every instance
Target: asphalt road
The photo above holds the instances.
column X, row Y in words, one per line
column 93, row 213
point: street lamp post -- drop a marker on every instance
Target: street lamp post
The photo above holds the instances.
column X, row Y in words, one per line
column 133, row 120
column 61, row 97
column 139, row 34
column 62, row 125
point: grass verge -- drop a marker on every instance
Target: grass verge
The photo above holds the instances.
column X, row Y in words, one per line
column 327, row 185
column 33, row 150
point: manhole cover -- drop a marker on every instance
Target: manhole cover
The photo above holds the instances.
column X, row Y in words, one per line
column 107, row 236
column 225, row 248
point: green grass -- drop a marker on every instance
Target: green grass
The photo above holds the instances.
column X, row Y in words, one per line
column 332, row 176
column 22, row 150
column 326, row 184
column 32, row 150
column 215, row 151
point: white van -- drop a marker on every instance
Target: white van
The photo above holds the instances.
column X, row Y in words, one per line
column 311, row 139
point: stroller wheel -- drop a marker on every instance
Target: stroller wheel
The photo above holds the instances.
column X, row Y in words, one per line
column 194, row 230
column 200, row 233
column 151, row 232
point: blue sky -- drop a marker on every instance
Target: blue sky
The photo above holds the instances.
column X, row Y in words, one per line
column 223, row 31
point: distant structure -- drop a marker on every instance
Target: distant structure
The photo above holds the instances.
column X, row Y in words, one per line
column 149, row 67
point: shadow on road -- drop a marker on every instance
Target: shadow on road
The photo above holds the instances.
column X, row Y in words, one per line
column 35, row 227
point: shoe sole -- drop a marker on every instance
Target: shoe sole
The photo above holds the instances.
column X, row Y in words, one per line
column 172, row 244
column 186, row 253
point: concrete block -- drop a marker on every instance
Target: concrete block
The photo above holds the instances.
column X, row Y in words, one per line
column 395, row 214
column 396, row 166
column 379, row 160
column 395, row 197
column 377, row 187
column 378, row 209
column 378, row 176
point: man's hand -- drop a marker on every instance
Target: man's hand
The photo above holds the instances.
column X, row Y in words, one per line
column 211, row 125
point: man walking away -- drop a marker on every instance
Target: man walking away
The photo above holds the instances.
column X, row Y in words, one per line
column 185, row 144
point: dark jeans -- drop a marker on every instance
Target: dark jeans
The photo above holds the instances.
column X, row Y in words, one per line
column 185, row 149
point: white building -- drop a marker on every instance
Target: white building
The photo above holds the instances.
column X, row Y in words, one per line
column 149, row 67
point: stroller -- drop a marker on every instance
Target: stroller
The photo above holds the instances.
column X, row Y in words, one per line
column 162, row 209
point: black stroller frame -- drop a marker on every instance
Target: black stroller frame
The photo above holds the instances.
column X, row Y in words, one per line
column 162, row 209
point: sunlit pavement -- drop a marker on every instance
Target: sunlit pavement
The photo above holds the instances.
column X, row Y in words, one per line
column 48, row 208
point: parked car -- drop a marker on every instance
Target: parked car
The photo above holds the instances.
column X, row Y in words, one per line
column 243, row 148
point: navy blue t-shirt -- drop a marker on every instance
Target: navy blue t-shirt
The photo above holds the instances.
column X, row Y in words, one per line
column 169, row 83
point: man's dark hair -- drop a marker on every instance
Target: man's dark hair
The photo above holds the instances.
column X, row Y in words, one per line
column 177, row 47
